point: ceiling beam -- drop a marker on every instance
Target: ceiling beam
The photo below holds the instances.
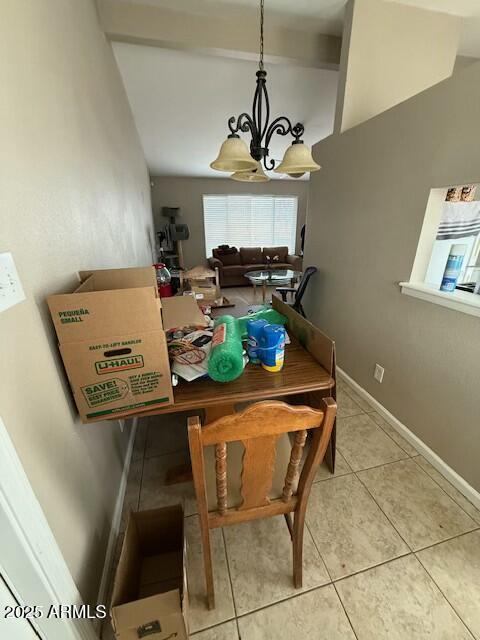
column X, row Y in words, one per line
column 169, row 29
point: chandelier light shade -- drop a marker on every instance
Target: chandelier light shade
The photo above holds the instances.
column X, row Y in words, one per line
column 297, row 161
column 253, row 175
column 234, row 155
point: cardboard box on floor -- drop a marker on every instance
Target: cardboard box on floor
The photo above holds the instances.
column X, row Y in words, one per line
column 205, row 292
column 113, row 344
column 150, row 588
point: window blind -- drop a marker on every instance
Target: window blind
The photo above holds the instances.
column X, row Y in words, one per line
column 249, row 221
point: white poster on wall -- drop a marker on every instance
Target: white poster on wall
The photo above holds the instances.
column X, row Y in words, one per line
column 11, row 290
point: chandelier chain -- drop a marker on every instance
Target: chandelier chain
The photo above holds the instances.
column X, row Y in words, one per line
column 260, row 65
column 258, row 123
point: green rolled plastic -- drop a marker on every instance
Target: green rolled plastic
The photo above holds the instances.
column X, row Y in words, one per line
column 225, row 362
column 270, row 315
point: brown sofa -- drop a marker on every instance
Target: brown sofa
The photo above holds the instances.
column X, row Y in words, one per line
column 233, row 264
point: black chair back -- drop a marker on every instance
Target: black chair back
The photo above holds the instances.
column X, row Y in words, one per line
column 307, row 274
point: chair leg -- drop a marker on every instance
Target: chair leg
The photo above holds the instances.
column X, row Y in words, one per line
column 196, row 456
column 207, row 561
column 298, row 527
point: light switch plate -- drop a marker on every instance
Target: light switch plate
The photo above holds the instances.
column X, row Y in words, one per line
column 11, row 290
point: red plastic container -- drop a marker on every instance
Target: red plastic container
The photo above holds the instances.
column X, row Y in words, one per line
column 163, row 280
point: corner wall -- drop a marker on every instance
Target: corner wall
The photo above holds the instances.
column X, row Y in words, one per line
column 74, row 194
column 390, row 52
column 187, row 193
column 366, row 208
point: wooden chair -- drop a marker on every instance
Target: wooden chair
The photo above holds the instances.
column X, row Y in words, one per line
column 259, row 478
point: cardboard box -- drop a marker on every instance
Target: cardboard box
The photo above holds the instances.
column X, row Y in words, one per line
column 113, row 344
column 150, row 588
column 130, row 278
column 205, row 291
column 181, row 311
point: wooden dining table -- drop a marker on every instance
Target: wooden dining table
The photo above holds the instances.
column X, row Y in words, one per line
column 300, row 374
column 307, row 376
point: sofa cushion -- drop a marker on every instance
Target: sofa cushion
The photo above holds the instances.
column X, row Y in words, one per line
column 271, row 252
column 251, row 255
column 227, row 255
column 254, row 267
column 229, row 259
column 233, row 270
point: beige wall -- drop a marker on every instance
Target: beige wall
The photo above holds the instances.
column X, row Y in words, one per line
column 366, row 209
column 391, row 52
column 187, row 193
column 74, row 194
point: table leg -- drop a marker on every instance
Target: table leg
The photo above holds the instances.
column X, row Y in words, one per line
column 178, row 474
column 332, row 445
column 264, row 291
column 254, row 291
column 218, row 411
column 331, row 450
column 315, row 399
column 183, row 472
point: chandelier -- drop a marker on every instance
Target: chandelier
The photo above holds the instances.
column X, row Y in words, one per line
column 246, row 166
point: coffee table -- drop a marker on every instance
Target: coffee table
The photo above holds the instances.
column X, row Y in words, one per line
column 272, row 277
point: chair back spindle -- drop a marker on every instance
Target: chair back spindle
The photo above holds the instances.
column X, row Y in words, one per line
column 221, row 476
column 294, row 464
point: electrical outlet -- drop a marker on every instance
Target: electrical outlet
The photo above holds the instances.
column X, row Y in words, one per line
column 11, row 290
column 378, row 373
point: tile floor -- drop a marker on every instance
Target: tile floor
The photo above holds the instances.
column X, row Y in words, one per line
column 392, row 550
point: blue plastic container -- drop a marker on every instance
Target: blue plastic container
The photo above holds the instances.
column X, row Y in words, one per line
column 255, row 334
column 453, row 268
column 272, row 350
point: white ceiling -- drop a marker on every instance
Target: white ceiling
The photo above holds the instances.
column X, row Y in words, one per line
column 181, row 102
column 325, row 16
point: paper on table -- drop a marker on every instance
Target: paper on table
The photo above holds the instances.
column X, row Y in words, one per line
column 191, row 363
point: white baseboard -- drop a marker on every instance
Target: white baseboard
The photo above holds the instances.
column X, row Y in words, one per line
column 440, row 465
column 117, row 517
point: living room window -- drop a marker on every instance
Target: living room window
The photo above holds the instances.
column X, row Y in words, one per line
column 249, row 221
